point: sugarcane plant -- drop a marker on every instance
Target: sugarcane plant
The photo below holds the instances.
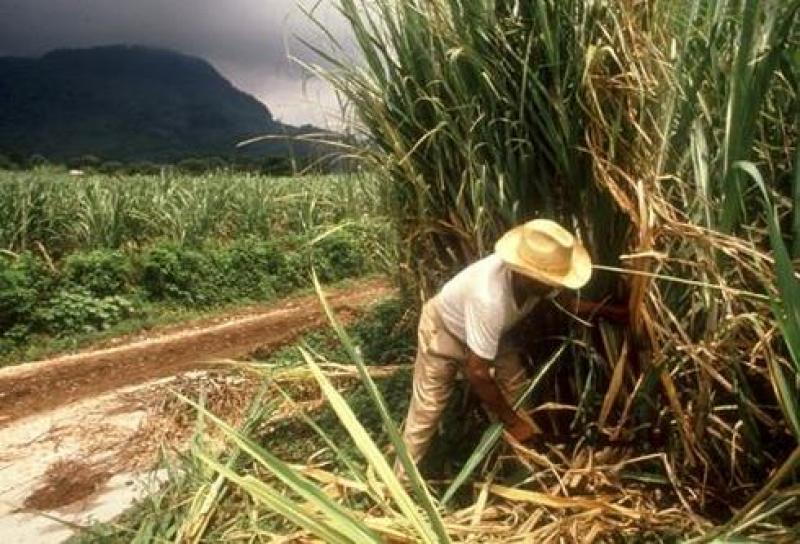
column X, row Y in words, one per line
column 630, row 123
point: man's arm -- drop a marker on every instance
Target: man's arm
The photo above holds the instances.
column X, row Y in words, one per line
column 586, row 308
column 477, row 370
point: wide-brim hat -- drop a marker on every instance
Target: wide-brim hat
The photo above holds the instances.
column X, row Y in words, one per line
column 543, row 250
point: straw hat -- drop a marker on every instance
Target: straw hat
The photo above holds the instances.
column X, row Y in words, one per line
column 543, row 250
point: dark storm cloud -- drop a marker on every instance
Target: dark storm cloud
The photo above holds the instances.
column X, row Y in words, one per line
column 247, row 40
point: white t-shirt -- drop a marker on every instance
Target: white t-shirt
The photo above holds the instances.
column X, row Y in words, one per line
column 478, row 305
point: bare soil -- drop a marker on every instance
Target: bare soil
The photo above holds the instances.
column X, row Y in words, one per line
column 36, row 387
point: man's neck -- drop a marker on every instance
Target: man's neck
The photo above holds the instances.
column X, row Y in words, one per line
column 525, row 289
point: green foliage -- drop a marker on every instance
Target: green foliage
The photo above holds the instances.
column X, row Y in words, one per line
column 17, row 297
column 24, row 285
column 786, row 308
column 251, row 268
column 78, row 310
column 384, row 338
column 339, row 255
column 385, row 334
column 183, row 274
column 35, row 299
column 295, row 441
column 293, row 270
column 90, row 291
column 37, row 272
column 102, row 272
column 732, row 98
column 247, row 269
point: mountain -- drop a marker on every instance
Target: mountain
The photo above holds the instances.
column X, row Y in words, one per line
column 130, row 103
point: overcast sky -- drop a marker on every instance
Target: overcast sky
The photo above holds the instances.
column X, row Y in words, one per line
column 246, row 40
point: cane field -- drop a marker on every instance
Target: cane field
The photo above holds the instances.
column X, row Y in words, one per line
column 665, row 133
column 95, row 256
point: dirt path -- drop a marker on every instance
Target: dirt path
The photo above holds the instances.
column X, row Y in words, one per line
column 36, row 387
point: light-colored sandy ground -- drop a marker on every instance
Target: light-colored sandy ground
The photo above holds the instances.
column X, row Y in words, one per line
column 86, row 434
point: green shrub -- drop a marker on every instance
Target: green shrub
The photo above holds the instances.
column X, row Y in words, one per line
column 17, row 297
column 24, row 284
column 294, row 272
column 102, row 272
column 77, row 310
column 34, row 298
column 184, row 275
column 38, row 275
column 92, row 290
column 250, row 268
column 340, row 255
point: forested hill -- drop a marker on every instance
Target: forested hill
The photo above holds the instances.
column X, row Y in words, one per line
column 128, row 103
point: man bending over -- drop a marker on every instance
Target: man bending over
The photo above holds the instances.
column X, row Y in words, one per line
column 463, row 326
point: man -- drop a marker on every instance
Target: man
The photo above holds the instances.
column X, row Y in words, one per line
column 463, row 326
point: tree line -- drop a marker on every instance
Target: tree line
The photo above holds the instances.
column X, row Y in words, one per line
column 267, row 165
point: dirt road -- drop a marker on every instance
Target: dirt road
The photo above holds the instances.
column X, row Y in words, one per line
column 79, row 434
column 36, row 387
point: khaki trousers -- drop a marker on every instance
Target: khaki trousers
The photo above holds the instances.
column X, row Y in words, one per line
column 440, row 356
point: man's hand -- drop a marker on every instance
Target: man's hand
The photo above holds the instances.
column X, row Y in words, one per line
column 517, row 424
column 521, row 430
